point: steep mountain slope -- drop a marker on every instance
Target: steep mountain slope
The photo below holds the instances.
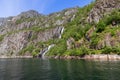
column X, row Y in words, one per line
column 93, row 29
column 21, row 34
column 94, row 32
column 101, row 9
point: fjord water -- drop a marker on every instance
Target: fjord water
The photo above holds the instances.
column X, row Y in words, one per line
column 50, row 69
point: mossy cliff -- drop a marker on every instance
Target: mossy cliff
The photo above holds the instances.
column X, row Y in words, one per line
column 93, row 29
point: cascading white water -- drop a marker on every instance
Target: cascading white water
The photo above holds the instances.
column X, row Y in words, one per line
column 47, row 49
column 61, row 32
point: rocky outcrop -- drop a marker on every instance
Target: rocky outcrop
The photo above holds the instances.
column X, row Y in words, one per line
column 27, row 14
column 29, row 19
column 101, row 57
column 12, row 44
column 3, row 21
column 31, row 32
column 108, row 41
column 46, row 35
column 101, row 8
column 20, row 31
column 89, row 34
column 70, row 43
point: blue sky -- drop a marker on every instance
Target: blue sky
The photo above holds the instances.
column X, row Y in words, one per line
column 15, row 7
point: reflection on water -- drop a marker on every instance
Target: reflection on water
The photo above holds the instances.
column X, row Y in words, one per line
column 10, row 69
column 37, row 69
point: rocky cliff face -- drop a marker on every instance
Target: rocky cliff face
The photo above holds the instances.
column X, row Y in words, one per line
column 30, row 32
column 18, row 32
column 12, row 44
column 101, row 8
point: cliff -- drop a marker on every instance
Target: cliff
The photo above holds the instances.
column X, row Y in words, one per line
column 20, row 35
column 101, row 9
column 93, row 29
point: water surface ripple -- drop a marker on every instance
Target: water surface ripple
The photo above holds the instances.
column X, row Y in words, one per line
column 38, row 69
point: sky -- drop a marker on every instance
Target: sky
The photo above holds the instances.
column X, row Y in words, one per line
column 15, row 7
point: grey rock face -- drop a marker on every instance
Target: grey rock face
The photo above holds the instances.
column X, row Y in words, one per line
column 12, row 44
column 101, row 8
column 4, row 21
column 49, row 34
column 18, row 30
column 31, row 18
column 69, row 42
column 27, row 14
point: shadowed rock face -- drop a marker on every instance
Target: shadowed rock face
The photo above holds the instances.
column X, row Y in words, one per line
column 101, row 8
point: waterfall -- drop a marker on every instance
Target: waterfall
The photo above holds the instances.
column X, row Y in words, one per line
column 61, row 32
column 43, row 52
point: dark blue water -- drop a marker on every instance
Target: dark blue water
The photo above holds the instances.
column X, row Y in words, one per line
column 37, row 69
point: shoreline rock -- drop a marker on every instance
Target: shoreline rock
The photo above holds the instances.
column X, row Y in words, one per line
column 86, row 57
column 16, row 57
column 90, row 57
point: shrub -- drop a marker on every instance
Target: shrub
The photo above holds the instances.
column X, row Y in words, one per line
column 94, row 40
column 84, row 50
column 29, row 48
column 108, row 50
column 59, row 48
column 114, row 16
column 77, row 52
column 35, row 52
column 100, row 26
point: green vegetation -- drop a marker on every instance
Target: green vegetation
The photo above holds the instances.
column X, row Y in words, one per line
column 59, row 48
column 28, row 49
column 74, row 29
column 85, row 40
column 35, row 48
column 1, row 37
column 19, row 21
column 111, row 19
column 111, row 50
column 77, row 30
column 77, row 52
